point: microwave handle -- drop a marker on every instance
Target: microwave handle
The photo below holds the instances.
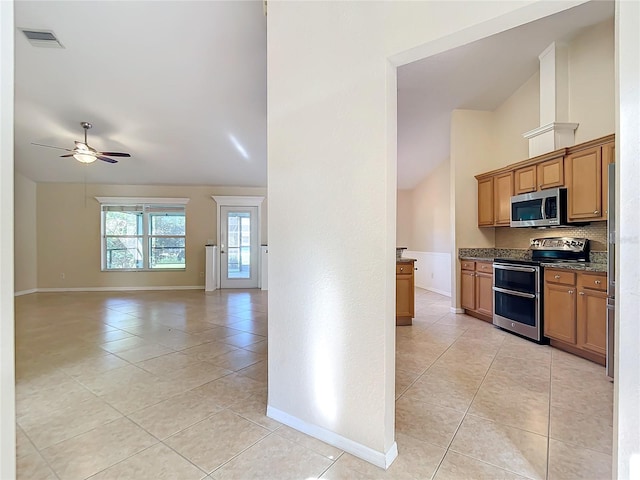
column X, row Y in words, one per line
column 543, row 204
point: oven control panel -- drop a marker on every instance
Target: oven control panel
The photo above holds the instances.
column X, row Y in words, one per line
column 559, row 243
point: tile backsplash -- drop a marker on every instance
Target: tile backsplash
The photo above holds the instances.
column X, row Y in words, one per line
column 596, row 232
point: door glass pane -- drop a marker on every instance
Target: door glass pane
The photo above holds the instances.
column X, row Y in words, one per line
column 238, row 245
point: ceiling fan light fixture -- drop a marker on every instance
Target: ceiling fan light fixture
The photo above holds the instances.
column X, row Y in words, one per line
column 84, row 157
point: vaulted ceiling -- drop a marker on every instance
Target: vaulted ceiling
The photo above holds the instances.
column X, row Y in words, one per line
column 181, row 85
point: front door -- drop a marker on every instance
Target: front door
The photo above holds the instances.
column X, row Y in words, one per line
column 239, row 247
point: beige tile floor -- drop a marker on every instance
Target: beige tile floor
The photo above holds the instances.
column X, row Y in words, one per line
column 172, row 385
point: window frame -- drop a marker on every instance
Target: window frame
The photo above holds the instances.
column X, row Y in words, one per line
column 148, row 207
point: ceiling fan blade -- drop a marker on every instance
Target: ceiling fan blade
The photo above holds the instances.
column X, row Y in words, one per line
column 106, row 159
column 67, row 155
column 114, row 154
column 51, row 146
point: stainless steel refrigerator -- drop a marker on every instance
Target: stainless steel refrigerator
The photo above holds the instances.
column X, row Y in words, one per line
column 611, row 267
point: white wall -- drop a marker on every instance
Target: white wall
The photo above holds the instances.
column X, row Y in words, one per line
column 471, row 153
column 592, row 82
column 69, row 242
column 520, row 113
column 7, row 377
column 431, row 211
column 331, row 136
column 627, row 369
column 404, row 220
column 425, row 212
column 25, row 235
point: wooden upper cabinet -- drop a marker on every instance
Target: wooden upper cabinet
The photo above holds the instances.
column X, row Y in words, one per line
column 485, row 202
column 525, row 180
column 608, row 156
column 551, row 173
column 582, row 168
column 502, row 193
column 539, row 176
column 583, row 174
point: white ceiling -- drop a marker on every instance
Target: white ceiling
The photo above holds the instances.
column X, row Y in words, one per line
column 477, row 76
column 182, row 87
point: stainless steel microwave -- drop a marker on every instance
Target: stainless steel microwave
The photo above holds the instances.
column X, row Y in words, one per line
column 546, row 208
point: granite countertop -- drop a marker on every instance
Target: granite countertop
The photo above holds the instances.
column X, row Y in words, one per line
column 478, row 259
column 405, row 260
column 583, row 267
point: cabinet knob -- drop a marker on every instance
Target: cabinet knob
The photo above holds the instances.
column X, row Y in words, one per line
column 596, row 212
column 570, row 292
column 580, row 293
column 597, row 282
column 556, row 276
column 401, row 268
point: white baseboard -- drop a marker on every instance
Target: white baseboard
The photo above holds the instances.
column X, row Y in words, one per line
column 456, row 310
column 379, row 459
column 116, row 289
column 25, row 292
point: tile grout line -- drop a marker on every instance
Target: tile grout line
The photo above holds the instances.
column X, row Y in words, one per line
column 549, row 417
column 466, row 412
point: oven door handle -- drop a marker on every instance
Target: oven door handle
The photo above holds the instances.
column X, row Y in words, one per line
column 498, row 266
column 512, row 292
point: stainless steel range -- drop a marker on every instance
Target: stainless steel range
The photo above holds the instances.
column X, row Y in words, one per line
column 517, row 284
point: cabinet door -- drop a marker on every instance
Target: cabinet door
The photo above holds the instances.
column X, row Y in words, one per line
column 485, row 202
column 503, row 191
column 583, row 172
column 560, row 312
column 592, row 313
column 404, row 295
column 468, row 290
column 592, row 321
column 551, row 173
column 525, row 180
column 608, row 156
column 484, row 293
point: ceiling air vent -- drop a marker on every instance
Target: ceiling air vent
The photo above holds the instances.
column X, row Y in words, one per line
column 42, row 38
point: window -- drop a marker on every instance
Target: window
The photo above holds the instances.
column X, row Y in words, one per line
column 143, row 236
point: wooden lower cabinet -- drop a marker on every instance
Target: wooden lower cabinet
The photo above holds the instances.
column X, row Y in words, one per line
column 592, row 312
column 476, row 289
column 575, row 312
column 560, row 312
column 405, row 293
column 484, row 294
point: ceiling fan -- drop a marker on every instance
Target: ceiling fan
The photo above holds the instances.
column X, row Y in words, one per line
column 85, row 153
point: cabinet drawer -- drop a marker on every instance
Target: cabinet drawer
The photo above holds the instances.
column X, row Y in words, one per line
column 467, row 265
column 564, row 277
column 484, row 267
column 404, row 268
column 593, row 282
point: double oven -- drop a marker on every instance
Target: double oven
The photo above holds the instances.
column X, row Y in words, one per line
column 517, row 297
column 517, row 284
